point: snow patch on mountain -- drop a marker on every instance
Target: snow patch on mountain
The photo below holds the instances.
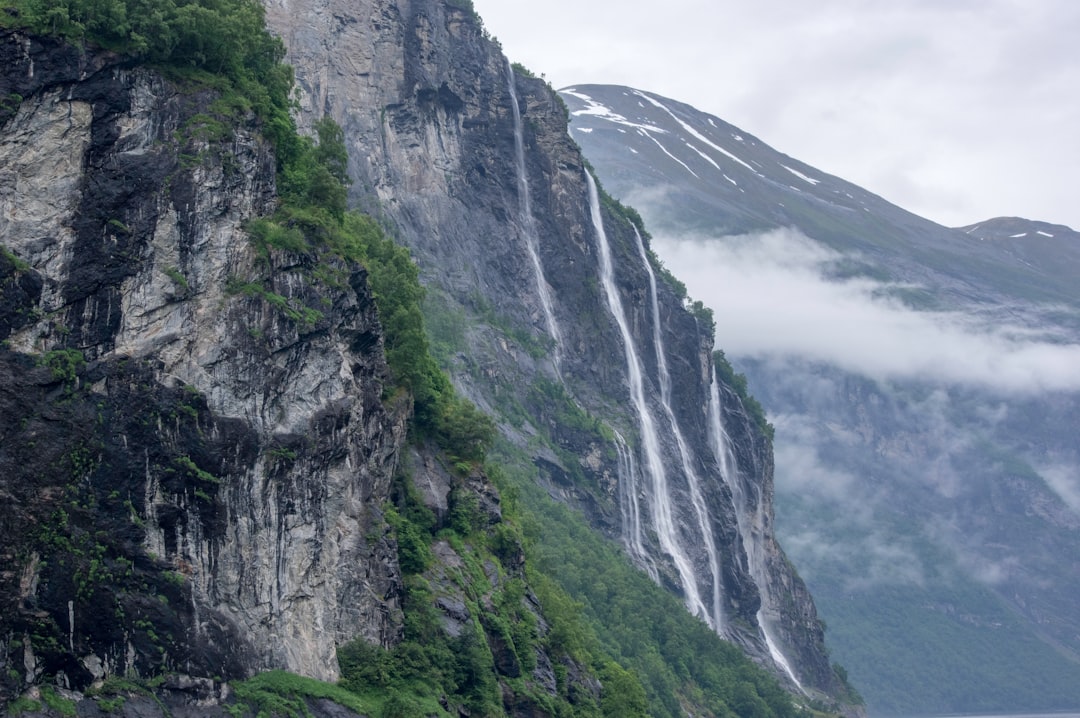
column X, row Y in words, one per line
column 686, row 127
column 600, row 111
column 801, row 176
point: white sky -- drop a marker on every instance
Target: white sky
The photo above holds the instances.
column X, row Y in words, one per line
column 958, row 110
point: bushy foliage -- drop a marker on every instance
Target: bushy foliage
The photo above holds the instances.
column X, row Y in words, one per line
column 312, row 220
column 589, row 584
column 285, row 694
column 224, row 42
column 434, row 671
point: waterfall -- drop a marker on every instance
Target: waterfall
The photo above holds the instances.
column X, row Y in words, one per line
column 659, row 497
column 528, row 223
column 750, row 526
column 697, row 499
column 631, row 509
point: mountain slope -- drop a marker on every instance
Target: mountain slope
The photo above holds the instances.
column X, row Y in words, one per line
column 924, row 389
column 600, row 382
column 224, row 390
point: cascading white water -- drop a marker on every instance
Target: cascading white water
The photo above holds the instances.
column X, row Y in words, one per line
column 528, row 223
column 697, row 499
column 749, row 526
column 659, row 496
column 633, row 536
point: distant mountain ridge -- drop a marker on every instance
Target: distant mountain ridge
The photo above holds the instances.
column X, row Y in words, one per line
column 730, row 182
column 927, row 480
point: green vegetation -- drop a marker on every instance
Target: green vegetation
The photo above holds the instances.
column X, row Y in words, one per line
column 64, row 364
column 281, row 694
column 645, row 629
column 56, row 703
column 494, row 645
column 631, row 215
column 23, row 705
column 465, row 5
column 188, row 467
column 521, row 70
column 602, row 616
column 222, row 43
column 312, row 222
column 17, row 264
column 177, row 277
column 962, row 655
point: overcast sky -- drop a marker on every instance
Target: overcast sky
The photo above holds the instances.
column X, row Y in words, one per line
column 958, row 110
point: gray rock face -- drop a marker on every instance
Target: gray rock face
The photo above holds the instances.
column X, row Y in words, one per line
column 261, row 448
column 424, row 98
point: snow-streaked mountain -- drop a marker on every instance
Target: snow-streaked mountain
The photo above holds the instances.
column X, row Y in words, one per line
column 925, row 386
column 698, row 174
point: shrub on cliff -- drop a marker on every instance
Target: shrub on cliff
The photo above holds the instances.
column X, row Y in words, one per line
column 223, row 39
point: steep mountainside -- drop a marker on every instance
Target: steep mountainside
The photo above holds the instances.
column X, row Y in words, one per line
column 205, row 406
column 923, row 383
column 204, row 453
column 602, row 382
column 248, row 449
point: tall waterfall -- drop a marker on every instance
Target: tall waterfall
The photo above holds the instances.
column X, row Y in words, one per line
column 697, row 499
column 750, row 522
column 659, row 495
column 528, row 223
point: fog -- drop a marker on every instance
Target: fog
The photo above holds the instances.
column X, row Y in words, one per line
column 772, row 299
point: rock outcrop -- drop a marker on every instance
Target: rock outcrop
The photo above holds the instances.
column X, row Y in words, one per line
column 199, row 465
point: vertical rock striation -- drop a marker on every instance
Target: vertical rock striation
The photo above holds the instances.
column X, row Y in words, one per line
column 227, row 521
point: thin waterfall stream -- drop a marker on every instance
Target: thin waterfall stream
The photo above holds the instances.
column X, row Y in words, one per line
column 528, row 223
column 725, row 457
column 630, row 508
column 659, row 496
column 697, row 499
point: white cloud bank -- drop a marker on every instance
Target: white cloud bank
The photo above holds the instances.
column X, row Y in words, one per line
column 771, row 300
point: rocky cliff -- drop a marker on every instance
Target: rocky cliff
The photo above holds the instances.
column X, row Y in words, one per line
column 195, row 436
column 201, row 454
column 599, row 373
column 193, row 473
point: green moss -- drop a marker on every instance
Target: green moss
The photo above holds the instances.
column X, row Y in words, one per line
column 13, row 259
column 185, row 464
column 177, row 277
column 22, row 704
column 57, row 703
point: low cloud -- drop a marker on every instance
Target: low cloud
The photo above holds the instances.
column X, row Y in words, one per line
column 800, row 468
column 874, row 560
column 771, row 299
column 1063, row 480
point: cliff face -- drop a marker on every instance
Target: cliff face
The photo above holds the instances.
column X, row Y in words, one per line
column 192, row 431
column 601, row 378
column 201, row 466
